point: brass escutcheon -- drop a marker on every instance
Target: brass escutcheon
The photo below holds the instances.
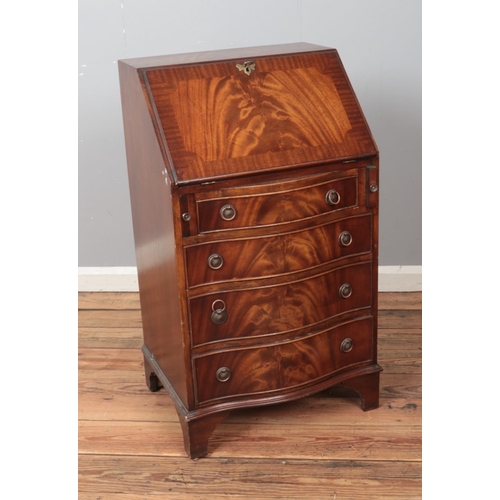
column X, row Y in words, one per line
column 247, row 67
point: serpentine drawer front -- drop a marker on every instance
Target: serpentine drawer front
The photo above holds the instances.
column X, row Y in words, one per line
column 254, row 190
column 278, row 307
column 283, row 365
column 270, row 255
column 247, row 211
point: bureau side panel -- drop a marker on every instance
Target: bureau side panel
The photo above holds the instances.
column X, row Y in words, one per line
column 154, row 204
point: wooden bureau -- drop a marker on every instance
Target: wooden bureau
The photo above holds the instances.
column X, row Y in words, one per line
column 254, row 190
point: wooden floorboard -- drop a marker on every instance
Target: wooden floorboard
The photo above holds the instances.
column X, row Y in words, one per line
column 147, row 407
column 138, row 477
column 320, row 447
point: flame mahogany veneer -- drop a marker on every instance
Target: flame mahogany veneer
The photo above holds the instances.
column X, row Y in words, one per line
column 254, row 190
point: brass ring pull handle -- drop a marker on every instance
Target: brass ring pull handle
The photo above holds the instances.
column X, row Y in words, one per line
column 345, row 291
column 223, row 374
column 332, row 197
column 219, row 314
column 228, row 212
column 347, row 345
column 345, row 238
column 215, row 261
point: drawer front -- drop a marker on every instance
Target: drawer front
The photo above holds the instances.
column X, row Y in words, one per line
column 273, row 255
column 283, row 366
column 270, row 208
column 280, row 308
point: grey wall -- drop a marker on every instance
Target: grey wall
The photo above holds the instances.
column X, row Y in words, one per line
column 379, row 42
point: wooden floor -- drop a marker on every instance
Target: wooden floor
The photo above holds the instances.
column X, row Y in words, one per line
column 321, row 447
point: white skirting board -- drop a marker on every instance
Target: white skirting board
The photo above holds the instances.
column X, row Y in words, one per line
column 124, row 279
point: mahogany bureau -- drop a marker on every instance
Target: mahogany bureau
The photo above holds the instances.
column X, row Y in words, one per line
column 254, row 191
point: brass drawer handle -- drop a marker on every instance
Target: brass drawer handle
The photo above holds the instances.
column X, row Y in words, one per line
column 347, row 345
column 223, row 374
column 332, row 197
column 345, row 291
column 345, row 238
column 228, row 212
column 219, row 314
column 215, row 261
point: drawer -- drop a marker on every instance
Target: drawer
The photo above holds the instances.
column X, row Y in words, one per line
column 247, row 208
column 281, row 307
column 285, row 365
column 237, row 259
